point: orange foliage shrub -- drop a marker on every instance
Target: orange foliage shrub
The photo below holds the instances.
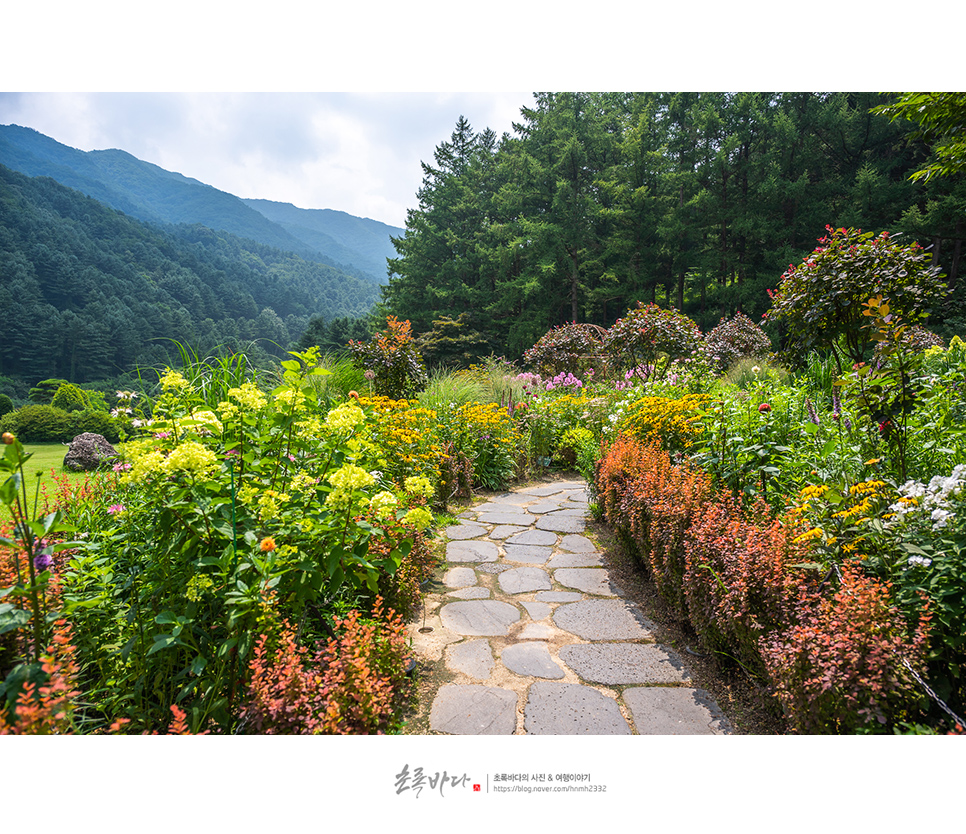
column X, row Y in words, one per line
column 354, row 684
column 834, row 653
column 739, row 582
column 46, row 709
column 653, row 502
column 840, row 668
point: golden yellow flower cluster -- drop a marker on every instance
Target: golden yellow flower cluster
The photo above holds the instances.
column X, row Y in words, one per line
column 407, row 438
column 674, row 423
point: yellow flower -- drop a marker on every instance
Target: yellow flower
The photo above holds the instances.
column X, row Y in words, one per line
column 204, row 423
column 350, row 477
column 809, row 492
column 419, row 517
column 814, row 533
column 198, row 586
column 290, row 399
column 270, row 504
column 383, row 504
column 345, row 418
column 173, row 381
column 248, row 396
column 146, row 462
column 419, row 485
column 191, row 458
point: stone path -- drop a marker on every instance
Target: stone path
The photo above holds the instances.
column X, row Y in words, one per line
column 536, row 638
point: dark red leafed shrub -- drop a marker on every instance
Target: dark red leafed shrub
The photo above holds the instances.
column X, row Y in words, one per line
column 739, row 582
column 354, row 684
column 569, row 347
column 840, row 668
column 735, row 338
column 651, row 335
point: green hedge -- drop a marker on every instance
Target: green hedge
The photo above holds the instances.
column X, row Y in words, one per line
column 46, row 424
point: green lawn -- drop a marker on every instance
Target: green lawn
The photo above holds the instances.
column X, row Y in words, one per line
column 48, row 460
column 47, row 457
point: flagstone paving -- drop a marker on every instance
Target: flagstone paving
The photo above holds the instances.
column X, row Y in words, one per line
column 536, row 638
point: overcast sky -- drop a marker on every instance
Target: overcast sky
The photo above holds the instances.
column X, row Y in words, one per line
column 355, row 152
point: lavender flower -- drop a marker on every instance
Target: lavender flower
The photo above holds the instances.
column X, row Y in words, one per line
column 812, row 414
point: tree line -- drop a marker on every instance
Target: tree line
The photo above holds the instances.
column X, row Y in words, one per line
column 697, row 201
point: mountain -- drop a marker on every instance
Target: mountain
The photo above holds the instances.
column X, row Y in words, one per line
column 88, row 292
column 148, row 192
column 345, row 238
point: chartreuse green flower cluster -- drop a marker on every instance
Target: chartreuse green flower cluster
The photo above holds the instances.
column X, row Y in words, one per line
column 344, row 481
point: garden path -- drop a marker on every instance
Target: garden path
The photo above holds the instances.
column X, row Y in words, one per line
column 529, row 636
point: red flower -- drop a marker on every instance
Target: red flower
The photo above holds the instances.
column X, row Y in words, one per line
column 764, row 408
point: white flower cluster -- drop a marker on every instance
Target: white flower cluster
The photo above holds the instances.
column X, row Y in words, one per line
column 933, row 500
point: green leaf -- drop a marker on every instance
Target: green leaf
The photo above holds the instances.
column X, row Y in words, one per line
column 12, row 617
column 164, row 641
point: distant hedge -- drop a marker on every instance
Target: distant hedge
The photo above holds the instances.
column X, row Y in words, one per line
column 47, row 424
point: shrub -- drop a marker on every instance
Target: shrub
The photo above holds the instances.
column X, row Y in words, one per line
column 48, row 424
column 401, row 589
column 567, row 348
column 71, row 398
column 819, row 303
column 452, row 343
column 736, row 338
column 578, row 448
column 39, row 424
column 43, row 392
column 43, row 704
column 6, row 405
column 651, row 336
column 355, row 683
column 739, row 579
column 213, row 513
column 392, row 360
column 842, row 667
column 96, row 422
column 653, row 502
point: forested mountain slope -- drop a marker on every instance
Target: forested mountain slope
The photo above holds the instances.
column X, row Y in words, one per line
column 347, row 239
column 151, row 193
column 87, row 292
